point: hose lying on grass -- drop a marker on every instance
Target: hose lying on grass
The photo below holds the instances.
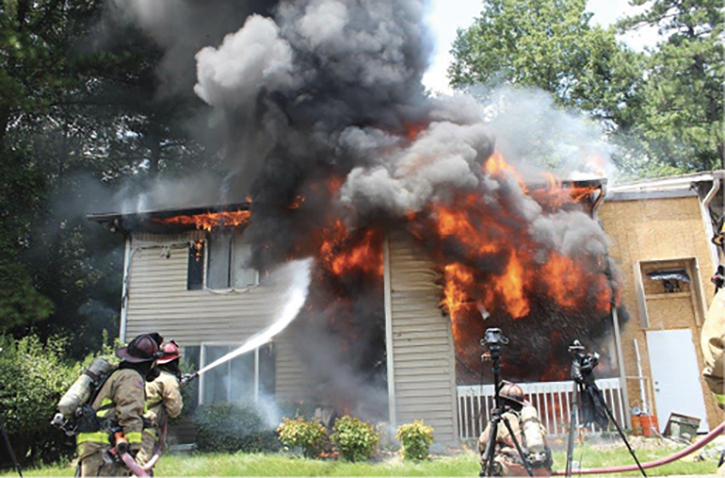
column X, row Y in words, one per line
column 651, row 464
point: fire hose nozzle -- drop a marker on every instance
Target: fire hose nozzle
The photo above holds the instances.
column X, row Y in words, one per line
column 187, row 378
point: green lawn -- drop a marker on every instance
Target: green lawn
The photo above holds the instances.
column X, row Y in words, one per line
column 463, row 464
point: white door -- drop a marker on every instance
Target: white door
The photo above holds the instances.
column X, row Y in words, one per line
column 675, row 375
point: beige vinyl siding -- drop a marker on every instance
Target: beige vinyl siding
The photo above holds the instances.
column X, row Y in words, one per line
column 159, row 302
column 423, row 351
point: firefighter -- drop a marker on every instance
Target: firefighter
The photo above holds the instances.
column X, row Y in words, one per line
column 713, row 330
column 529, row 433
column 119, row 407
column 163, row 400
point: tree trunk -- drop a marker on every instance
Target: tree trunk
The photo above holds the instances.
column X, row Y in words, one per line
column 4, row 121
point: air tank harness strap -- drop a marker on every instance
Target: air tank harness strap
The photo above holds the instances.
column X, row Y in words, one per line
column 98, row 435
column 106, row 405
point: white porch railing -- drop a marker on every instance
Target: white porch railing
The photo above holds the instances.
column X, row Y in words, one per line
column 552, row 399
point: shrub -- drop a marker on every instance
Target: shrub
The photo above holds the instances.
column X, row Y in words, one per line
column 310, row 435
column 33, row 377
column 231, row 427
column 355, row 438
column 415, row 438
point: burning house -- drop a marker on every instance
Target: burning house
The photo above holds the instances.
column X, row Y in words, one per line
column 429, row 219
column 392, row 325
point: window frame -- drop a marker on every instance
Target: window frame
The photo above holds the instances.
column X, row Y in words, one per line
column 202, row 363
column 233, row 234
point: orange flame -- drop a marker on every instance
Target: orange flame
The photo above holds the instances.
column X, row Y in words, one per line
column 497, row 166
column 299, row 200
column 558, row 194
column 210, row 220
column 412, row 130
column 343, row 253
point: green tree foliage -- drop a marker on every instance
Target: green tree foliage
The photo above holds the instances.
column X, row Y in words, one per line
column 681, row 115
column 662, row 107
column 549, row 44
column 81, row 116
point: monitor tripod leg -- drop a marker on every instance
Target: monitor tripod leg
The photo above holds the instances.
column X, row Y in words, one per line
column 572, row 430
column 518, row 447
column 10, row 448
column 488, row 453
column 619, row 429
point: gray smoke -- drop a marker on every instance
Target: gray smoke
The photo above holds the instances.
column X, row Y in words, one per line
column 308, row 90
column 182, row 28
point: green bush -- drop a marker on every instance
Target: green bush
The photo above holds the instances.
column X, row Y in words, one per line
column 415, row 438
column 355, row 438
column 309, row 435
column 33, row 377
column 231, row 427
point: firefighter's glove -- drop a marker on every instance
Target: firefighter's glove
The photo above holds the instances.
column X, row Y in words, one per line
column 187, row 378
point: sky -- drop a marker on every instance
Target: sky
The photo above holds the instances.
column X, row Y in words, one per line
column 444, row 21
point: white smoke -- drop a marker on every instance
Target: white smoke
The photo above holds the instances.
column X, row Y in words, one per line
column 253, row 58
column 532, row 131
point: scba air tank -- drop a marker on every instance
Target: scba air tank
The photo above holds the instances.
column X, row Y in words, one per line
column 533, row 434
column 81, row 390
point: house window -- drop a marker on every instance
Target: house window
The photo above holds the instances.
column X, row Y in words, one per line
column 243, row 379
column 228, row 265
column 662, row 278
column 195, row 275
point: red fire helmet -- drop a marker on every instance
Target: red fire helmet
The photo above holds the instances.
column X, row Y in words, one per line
column 170, row 351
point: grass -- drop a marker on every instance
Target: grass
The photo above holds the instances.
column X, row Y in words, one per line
column 463, row 464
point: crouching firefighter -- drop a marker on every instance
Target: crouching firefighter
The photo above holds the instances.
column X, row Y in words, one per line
column 163, row 400
column 107, row 444
column 529, row 432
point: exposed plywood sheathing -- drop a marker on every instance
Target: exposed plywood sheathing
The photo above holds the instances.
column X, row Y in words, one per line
column 651, row 233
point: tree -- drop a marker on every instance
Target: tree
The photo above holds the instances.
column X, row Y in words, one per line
column 550, row 44
column 681, row 114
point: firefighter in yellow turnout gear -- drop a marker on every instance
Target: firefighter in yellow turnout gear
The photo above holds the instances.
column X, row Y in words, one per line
column 163, row 400
column 713, row 330
column 712, row 338
column 119, row 407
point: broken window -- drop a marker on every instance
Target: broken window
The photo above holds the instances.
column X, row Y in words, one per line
column 229, row 258
column 195, row 268
column 672, row 279
column 243, row 379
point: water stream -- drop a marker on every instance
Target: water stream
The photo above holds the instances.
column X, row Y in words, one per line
column 293, row 298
